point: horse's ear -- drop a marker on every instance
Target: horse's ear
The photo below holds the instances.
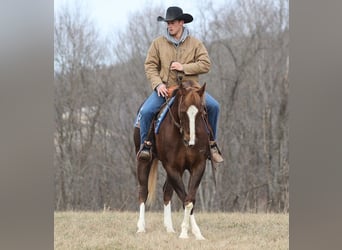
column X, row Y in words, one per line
column 202, row 90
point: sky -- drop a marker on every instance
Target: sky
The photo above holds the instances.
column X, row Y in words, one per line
column 111, row 15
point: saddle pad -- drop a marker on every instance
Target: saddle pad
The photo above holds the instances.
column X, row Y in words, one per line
column 137, row 120
column 160, row 118
column 162, row 114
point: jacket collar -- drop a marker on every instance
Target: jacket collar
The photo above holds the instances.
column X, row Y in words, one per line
column 171, row 39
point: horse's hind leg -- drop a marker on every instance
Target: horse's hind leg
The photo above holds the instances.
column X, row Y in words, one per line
column 168, row 191
column 141, row 220
column 136, row 139
column 143, row 170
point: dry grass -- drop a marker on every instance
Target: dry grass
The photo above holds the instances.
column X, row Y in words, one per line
column 117, row 230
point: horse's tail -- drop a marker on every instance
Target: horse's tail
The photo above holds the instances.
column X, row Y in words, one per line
column 152, row 183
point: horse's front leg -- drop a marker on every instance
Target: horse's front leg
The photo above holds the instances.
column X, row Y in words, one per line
column 185, row 224
column 168, row 192
column 194, row 181
column 195, row 229
column 188, row 217
column 143, row 170
column 174, row 178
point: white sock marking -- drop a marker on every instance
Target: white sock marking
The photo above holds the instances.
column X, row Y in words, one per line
column 168, row 218
column 141, row 221
column 185, row 223
column 195, row 229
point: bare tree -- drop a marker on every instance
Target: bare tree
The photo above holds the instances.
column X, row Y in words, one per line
column 248, row 45
column 79, row 101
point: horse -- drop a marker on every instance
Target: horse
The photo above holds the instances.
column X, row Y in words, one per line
column 182, row 143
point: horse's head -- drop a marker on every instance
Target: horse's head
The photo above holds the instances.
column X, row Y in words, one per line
column 190, row 110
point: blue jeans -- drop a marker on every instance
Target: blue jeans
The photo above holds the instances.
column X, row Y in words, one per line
column 153, row 103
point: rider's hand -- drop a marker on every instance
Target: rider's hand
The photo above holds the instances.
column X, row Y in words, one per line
column 162, row 90
column 176, row 66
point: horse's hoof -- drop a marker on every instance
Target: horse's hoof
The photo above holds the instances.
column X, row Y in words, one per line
column 141, row 230
column 170, row 230
column 183, row 236
column 200, row 238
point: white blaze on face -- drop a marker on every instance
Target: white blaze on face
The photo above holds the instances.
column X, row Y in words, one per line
column 191, row 112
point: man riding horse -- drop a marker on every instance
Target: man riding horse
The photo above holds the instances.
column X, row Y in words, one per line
column 176, row 52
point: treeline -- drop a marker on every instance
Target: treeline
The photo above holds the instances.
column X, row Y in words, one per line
column 100, row 83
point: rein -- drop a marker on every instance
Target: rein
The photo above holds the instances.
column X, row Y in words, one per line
column 179, row 81
column 178, row 125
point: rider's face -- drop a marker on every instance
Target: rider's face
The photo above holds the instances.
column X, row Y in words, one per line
column 175, row 28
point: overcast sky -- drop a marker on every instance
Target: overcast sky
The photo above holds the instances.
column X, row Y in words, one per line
column 111, row 15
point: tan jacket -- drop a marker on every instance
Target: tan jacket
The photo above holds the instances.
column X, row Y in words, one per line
column 191, row 54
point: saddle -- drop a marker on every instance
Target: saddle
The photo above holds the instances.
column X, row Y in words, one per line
column 161, row 114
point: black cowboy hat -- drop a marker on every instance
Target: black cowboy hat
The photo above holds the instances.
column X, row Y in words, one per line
column 175, row 13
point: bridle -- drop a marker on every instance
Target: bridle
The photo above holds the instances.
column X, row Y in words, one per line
column 180, row 124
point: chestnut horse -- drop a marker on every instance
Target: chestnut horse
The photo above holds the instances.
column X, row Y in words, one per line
column 182, row 143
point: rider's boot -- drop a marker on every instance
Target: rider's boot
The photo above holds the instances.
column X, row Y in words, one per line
column 145, row 151
column 215, row 152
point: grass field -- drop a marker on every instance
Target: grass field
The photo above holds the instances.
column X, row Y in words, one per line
column 117, row 230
